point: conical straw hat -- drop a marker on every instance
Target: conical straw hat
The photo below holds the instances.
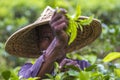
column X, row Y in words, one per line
column 24, row 42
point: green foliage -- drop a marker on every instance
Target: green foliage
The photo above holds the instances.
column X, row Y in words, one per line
column 15, row 14
column 111, row 56
column 31, row 78
column 13, row 75
column 94, row 72
column 6, row 74
column 74, row 23
column 10, row 74
column 117, row 72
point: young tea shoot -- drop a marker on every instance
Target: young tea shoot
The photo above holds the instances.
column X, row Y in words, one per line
column 74, row 23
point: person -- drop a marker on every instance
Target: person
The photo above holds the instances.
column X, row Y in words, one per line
column 47, row 38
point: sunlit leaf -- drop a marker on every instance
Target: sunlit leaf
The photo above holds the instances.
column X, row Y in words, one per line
column 35, row 78
column 75, row 23
column 117, row 71
column 56, row 65
column 83, row 75
column 86, row 21
column 73, row 32
column 78, row 11
column 111, row 56
column 57, row 77
column 81, row 28
column 73, row 73
column 49, row 75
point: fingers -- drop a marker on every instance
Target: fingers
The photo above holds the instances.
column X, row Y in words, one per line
column 58, row 24
column 59, row 18
column 68, row 62
column 82, row 64
column 64, row 61
column 71, row 63
column 59, row 27
column 57, row 15
column 61, row 10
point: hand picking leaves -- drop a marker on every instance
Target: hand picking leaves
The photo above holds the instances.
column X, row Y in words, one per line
column 74, row 23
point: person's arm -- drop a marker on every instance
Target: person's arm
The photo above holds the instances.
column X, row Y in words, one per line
column 30, row 70
column 56, row 49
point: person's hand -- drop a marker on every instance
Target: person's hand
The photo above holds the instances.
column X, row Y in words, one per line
column 81, row 64
column 58, row 24
column 67, row 62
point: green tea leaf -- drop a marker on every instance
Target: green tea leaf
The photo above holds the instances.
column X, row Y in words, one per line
column 73, row 32
column 81, row 28
column 78, row 11
column 83, row 75
column 49, row 75
column 56, row 65
column 75, row 23
column 57, row 77
column 91, row 68
column 111, row 56
column 86, row 21
column 117, row 71
column 35, row 78
column 73, row 73
column 6, row 74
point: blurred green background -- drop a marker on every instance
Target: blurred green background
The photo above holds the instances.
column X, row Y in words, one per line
column 15, row 14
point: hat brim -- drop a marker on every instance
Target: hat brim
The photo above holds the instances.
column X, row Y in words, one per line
column 24, row 42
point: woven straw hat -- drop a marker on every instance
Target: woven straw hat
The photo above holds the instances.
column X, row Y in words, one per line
column 23, row 42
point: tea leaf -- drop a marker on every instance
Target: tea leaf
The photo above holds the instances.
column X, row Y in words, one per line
column 117, row 71
column 78, row 11
column 111, row 56
column 81, row 28
column 73, row 73
column 49, row 76
column 86, row 21
column 35, row 78
column 73, row 33
column 83, row 75
column 74, row 23
column 6, row 74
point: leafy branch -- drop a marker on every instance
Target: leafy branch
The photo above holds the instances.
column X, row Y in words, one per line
column 74, row 23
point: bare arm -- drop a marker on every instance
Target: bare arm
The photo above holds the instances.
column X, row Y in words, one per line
column 56, row 49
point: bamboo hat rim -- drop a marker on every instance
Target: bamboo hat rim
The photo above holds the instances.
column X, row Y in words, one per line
column 19, row 43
